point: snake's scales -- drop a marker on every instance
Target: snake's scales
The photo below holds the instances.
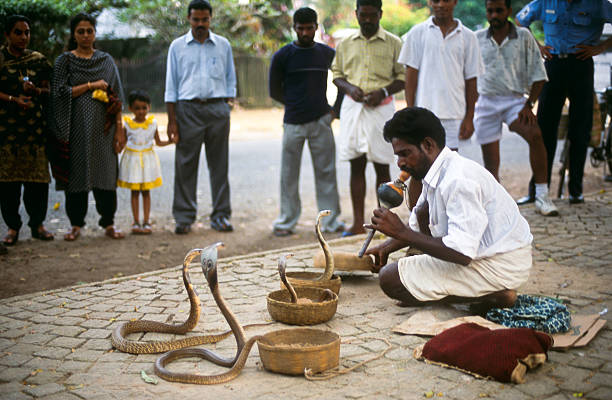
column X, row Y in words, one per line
column 329, row 258
column 209, row 267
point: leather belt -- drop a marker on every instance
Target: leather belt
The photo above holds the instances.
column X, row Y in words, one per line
column 206, row 101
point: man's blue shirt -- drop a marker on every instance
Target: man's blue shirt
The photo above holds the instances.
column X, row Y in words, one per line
column 200, row 70
column 298, row 79
column 567, row 24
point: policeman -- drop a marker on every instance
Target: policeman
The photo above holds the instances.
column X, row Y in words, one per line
column 572, row 30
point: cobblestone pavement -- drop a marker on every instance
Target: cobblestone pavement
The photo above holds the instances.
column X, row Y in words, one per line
column 56, row 345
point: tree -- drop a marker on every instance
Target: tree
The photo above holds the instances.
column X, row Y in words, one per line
column 256, row 26
column 51, row 19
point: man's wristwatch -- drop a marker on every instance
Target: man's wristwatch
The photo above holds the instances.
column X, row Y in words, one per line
column 385, row 92
column 529, row 103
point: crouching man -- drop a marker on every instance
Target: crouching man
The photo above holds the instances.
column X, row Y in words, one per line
column 476, row 244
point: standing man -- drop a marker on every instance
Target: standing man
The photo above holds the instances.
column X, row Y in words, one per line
column 200, row 80
column 298, row 80
column 572, row 30
column 442, row 63
column 367, row 71
column 513, row 68
column 476, row 244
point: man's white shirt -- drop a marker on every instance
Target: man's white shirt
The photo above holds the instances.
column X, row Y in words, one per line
column 444, row 64
column 469, row 209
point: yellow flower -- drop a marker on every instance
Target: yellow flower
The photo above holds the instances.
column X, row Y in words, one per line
column 100, row 95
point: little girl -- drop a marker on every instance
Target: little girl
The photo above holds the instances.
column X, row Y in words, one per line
column 139, row 169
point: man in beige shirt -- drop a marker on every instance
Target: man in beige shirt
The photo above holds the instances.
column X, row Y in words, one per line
column 367, row 71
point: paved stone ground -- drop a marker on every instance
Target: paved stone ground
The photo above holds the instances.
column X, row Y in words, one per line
column 56, row 345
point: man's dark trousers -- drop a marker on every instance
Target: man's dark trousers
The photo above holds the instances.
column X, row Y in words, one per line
column 198, row 124
column 568, row 77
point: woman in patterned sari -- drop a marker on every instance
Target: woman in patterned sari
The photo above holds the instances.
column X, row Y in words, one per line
column 24, row 87
column 81, row 124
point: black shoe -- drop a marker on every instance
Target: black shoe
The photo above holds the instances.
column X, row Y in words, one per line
column 182, row 229
column 42, row 235
column 221, row 224
column 576, row 199
column 525, row 200
column 3, row 249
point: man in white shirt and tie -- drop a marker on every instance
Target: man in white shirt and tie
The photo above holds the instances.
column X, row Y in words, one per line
column 476, row 244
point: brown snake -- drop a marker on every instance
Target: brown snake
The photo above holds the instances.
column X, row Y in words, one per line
column 120, row 342
column 282, row 266
column 209, row 267
column 329, row 258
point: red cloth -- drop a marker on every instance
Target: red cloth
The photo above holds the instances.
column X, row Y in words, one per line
column 489, row 353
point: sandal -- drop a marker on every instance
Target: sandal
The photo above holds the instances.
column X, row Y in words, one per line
column 73, row 234
column 42, row 234
column 113, row 232
column 136, row 229
column 146, row 229
column 11, row 238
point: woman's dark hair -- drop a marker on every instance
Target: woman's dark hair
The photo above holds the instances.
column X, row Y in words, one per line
column 199, row 5
column 72, row 44
column 413, row 125
column 304, row 15
column 12, row 21
column 138, row 95
column 374, row 3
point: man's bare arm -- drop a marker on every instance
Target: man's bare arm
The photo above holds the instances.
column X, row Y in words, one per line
column 354, row 91
column 173, row 132
column 410, row 86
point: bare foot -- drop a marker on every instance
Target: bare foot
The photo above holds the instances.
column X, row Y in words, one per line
column 354, row 230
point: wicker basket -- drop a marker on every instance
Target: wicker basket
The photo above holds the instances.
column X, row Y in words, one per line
column 290, row 351
column 282, row 310
column 345, row 261
column 309, row 279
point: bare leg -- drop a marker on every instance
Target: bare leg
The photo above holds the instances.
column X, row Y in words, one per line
column 537, row 150
column 490, row 156
column 358, row 188
column 135, row 211
column 146, row 205
column 382, row 174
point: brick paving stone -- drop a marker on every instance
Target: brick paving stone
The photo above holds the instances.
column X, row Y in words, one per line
column 14, row 360
column 61, row 396
column 602, row 393
column 68, row 331
column 97, row 344
column 14, row 374
column 56, row 353
column 10, row 387
column 44, row 377
column 538, row 388
column 16, row 396
column 68, row 342
column 586, row 362
column 95, row 334
column 44, row 390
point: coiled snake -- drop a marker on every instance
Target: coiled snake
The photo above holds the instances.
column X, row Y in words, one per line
column 209, row 267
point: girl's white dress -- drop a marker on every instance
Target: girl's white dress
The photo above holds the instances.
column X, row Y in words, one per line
column 139, row 168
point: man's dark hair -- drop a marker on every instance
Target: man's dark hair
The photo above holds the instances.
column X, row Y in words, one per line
column 413, row 125
column 304, row 15
column 74, row 22
column 12, row 20
column 199, row 5
column 373, row 3
column 138, row 95
column 508, row 3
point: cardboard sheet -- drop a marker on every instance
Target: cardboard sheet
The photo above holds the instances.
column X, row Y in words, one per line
column 426, row 323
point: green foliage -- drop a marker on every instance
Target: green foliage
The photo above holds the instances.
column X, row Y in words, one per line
column 50, row 20
column 399, row 18
column 258, row 27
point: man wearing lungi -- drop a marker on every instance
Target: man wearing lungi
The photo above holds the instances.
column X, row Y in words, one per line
column 366, row 69
column 476, row 244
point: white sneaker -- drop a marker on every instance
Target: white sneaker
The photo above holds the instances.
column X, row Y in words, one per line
column 545, row 206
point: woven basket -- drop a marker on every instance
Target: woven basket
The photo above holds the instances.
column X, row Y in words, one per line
column 290, row 351
column 345, row 261
column 309, row 279
column 282, row 310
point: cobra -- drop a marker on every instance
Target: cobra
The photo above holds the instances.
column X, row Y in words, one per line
column 209, row 267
